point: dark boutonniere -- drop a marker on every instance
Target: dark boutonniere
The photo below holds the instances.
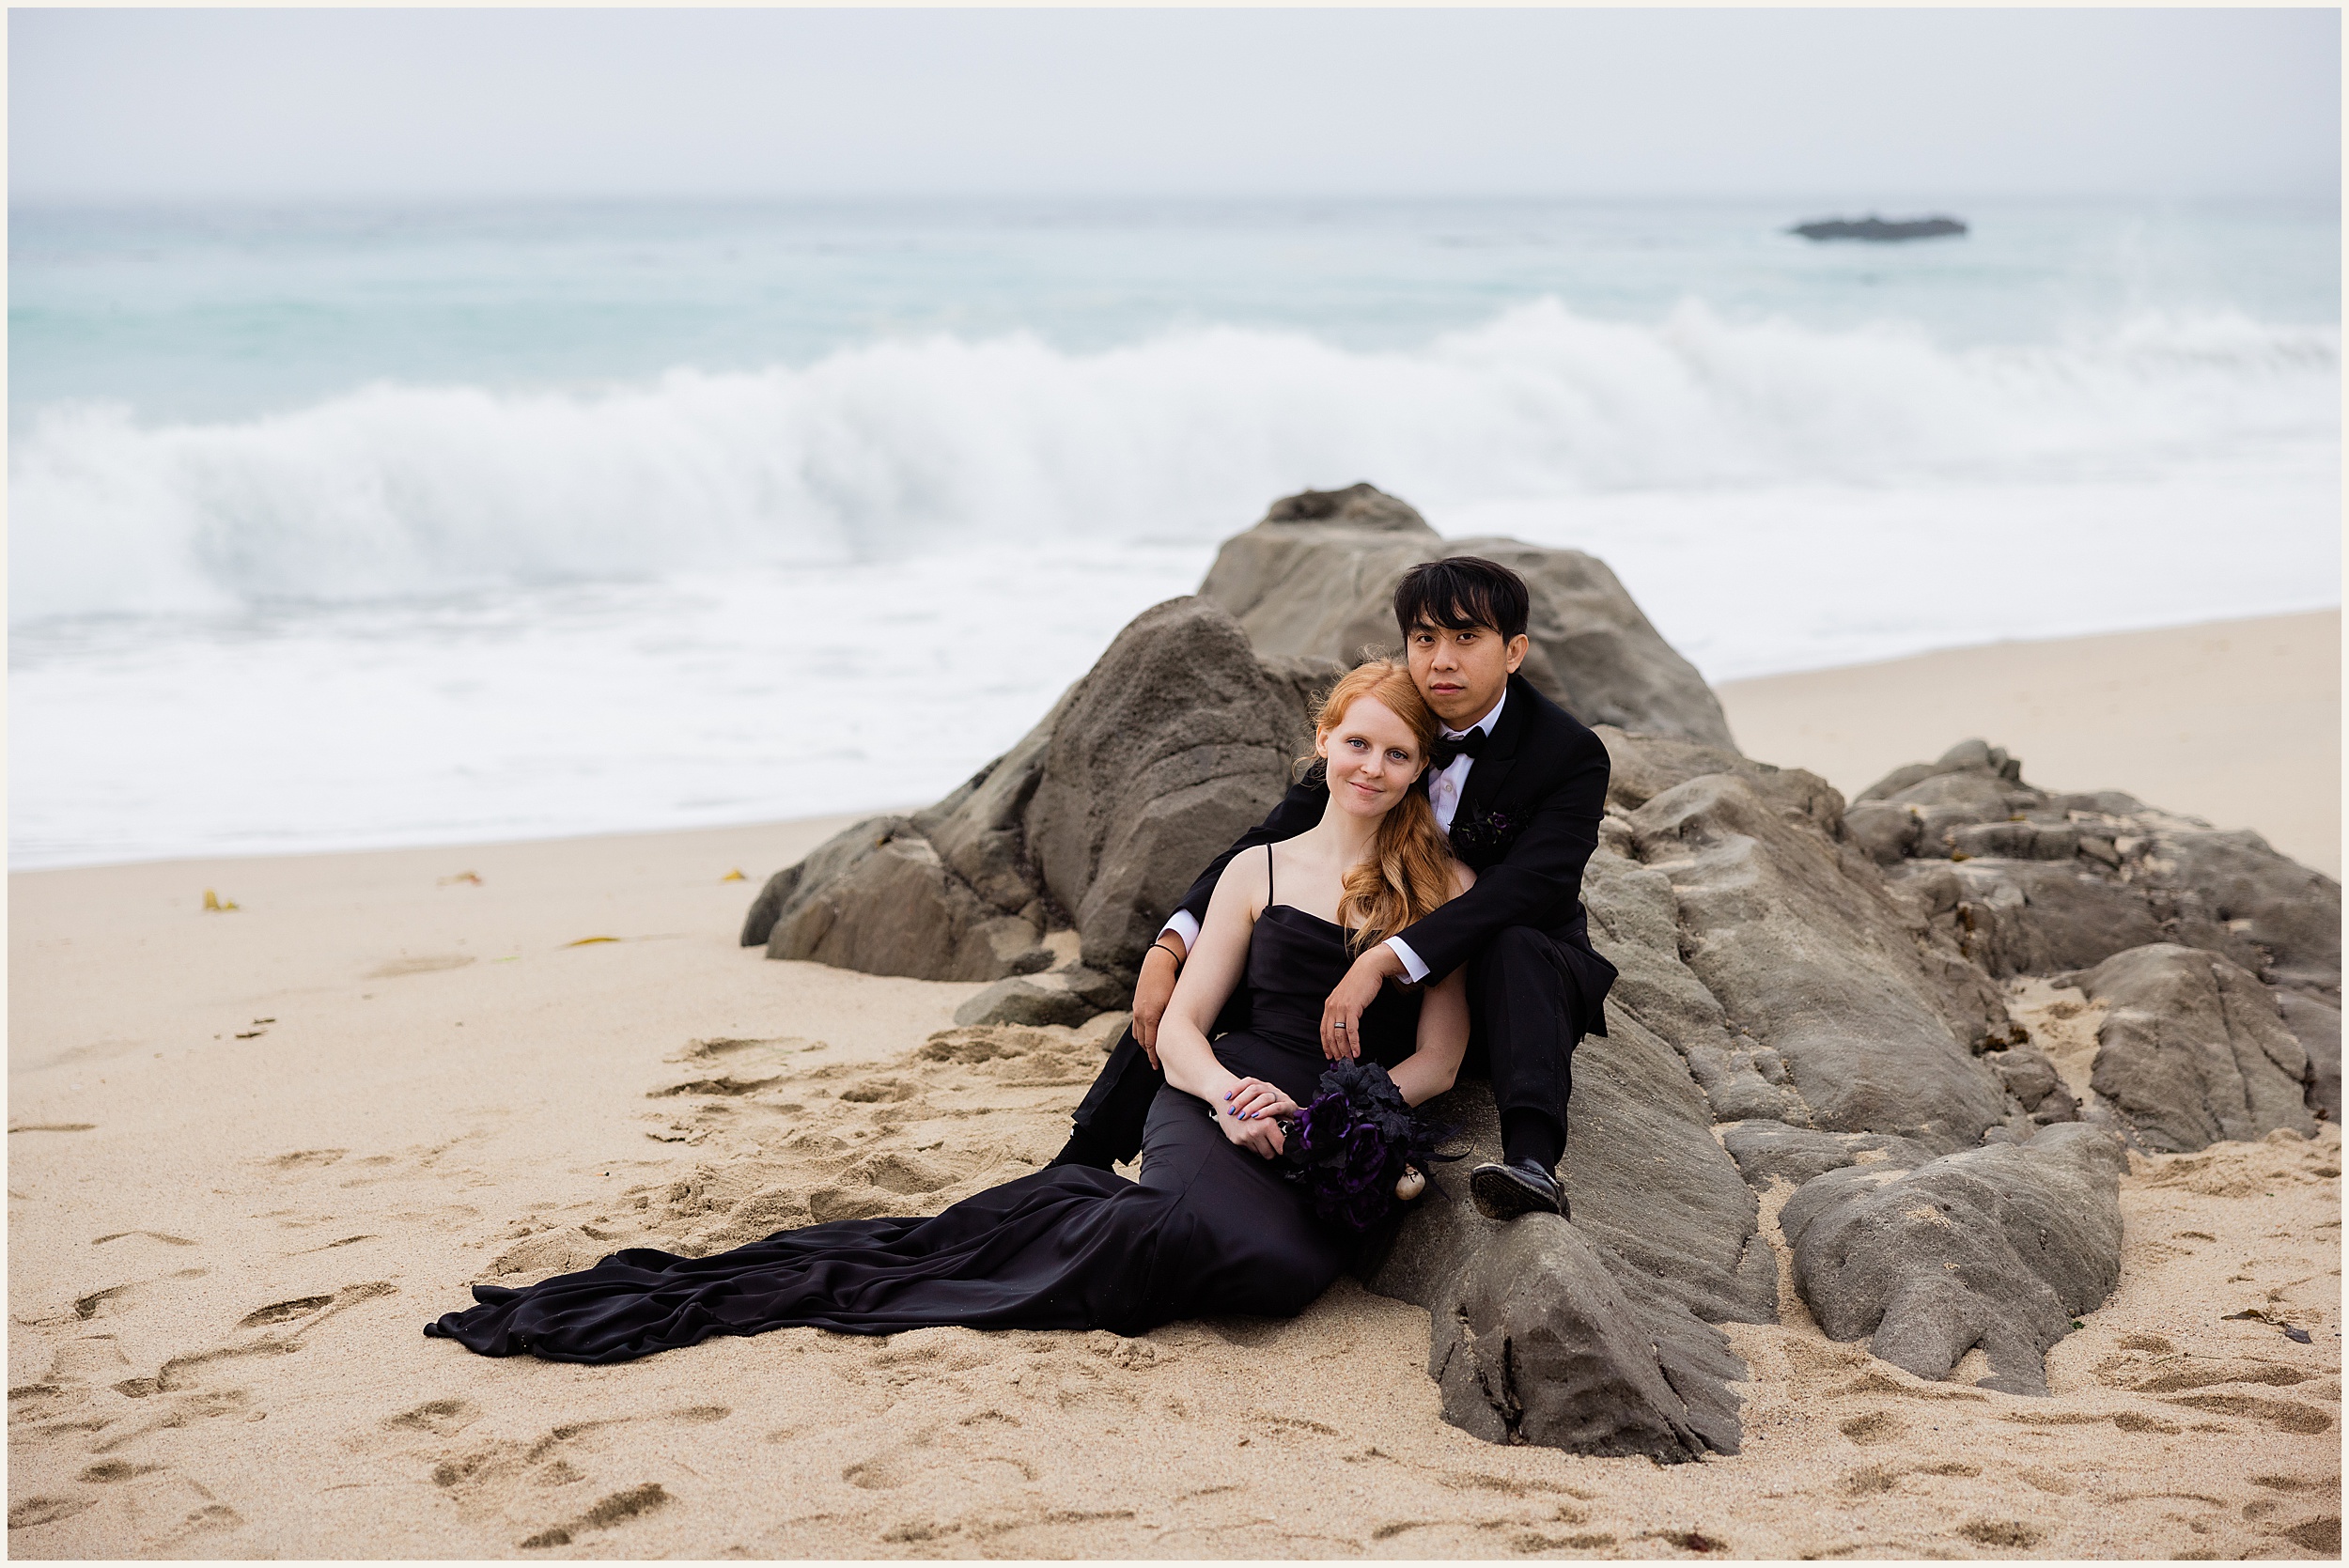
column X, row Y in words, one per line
column 1484, row 837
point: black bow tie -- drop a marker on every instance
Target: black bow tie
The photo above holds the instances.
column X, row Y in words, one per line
column 1449, row 748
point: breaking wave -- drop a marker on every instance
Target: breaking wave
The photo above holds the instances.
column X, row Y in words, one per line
column 902, row 447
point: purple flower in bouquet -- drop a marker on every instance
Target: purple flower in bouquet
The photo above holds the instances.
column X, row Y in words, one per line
column 1348, row 1147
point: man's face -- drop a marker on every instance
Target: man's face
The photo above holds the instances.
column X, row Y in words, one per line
column 1462, row 672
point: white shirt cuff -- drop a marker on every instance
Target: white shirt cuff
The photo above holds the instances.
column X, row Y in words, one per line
column 1184, row 926
column 1411, row 966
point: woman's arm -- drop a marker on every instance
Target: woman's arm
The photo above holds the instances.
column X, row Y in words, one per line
column 1444, row 1026
column 1245, row 1107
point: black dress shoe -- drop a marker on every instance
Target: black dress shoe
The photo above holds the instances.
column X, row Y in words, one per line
column 1521, row 1186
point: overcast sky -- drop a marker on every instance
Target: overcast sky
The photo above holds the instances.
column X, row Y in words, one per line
column 1860, row 107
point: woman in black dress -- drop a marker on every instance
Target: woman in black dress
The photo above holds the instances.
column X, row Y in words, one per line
column 1212, row 1226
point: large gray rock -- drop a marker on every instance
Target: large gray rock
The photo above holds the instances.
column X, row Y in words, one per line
column 1770, row 1152
column 1173, row 745
column 2000, row 1247
column 1805, row 950
column 1542, row 1335
column 2025, row 881
column 2234, row 881
column 2030, row 916
column 878, row 897
column 1646, row 1179
column 1634, row 917
column 1317, row 577
column 2317, row 1026
column 2191, row 1050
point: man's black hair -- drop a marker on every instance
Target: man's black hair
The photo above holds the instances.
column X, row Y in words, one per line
column 1459, row 592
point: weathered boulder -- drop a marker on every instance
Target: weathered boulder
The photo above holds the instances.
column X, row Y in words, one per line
column 2317, row 1026
column 1646, row 1179
column 2191, row 1050
column 2235, row 881
column 1175, row 743
column 1769, row 1152
column 2031, row 1076
column 2030, row 916
column 878, row 897
column 1067, row 996
column 1635, row 924
column 2001, row 1245
column 2025, row 881
column 1823, row 978
column 1317, row 576
column 1171, row 746
column 1804, row 947
column 1543, row 1335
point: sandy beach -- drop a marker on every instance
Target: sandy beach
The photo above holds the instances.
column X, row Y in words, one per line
column 252, row 1151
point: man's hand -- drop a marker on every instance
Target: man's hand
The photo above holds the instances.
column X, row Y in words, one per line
column 1152, row 990
column 1342, row 1015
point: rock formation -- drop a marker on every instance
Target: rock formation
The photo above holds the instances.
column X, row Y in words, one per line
column 2218, row 959
column 1175, row 744
column 1814, row 997
column 1998, row 1246
column 1317, row 577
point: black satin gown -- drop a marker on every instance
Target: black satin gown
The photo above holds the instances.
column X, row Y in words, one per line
column 1209, row 1229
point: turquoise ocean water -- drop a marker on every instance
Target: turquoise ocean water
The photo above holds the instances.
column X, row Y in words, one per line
column 338, row 527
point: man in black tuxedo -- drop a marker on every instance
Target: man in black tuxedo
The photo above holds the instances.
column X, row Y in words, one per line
column 1519, row 784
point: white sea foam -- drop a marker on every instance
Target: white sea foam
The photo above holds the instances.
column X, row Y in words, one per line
column 903, row 448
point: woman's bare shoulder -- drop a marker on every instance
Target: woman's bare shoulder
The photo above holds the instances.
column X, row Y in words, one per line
column 1245, row 876
column 1462, row 878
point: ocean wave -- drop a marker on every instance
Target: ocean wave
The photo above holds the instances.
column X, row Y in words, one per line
column 906, row 447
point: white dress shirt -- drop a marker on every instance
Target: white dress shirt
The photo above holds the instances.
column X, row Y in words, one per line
column 1443, row 792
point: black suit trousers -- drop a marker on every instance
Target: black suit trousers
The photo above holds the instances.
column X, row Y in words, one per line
column 1531, row 999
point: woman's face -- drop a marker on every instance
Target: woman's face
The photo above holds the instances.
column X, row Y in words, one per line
column 1373, row 757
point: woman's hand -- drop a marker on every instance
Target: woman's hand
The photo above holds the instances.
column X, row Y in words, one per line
column 1253, row 1098
column 1248, row 1113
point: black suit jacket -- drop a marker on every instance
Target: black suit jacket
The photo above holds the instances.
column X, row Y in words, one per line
column 1528, row 824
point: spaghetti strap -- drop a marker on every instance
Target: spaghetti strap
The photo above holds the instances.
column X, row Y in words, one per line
column 1267, row 877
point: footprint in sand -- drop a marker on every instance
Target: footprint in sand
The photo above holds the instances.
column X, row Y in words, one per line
column 283, row 1311
column 443, row 1418
column 617, row 1508
column 108, row 1472
column 44, row 1511
column 2008, row 1534
column 1875, row 1426
column 494, row 1479
column 152, row 1236
column 2284, row 1415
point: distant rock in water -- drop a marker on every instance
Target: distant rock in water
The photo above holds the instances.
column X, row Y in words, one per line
column 1874, row 227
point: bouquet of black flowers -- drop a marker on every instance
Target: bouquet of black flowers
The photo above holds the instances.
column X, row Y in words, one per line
column 1358, row 1139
